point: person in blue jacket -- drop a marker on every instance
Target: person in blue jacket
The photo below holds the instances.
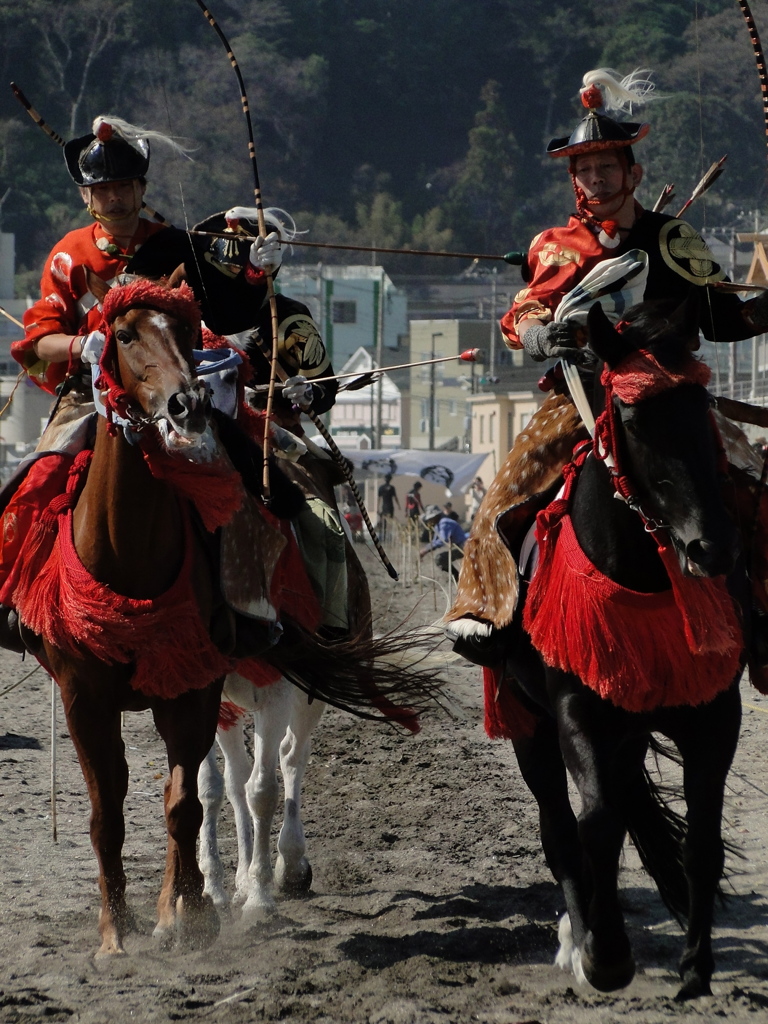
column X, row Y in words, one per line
column 447, row 535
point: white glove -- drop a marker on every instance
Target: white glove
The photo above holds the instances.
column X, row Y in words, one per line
column 298, row 391
column 266, row 253
column 92, row 346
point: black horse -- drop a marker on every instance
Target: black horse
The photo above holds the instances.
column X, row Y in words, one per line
column 669, row 469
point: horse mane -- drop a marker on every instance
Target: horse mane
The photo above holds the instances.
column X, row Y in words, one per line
column 651, row 323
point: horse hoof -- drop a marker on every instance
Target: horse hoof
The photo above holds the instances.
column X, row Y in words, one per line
column 109, row 949
column 693, row 987
column 256, row 912
column 610, row 977
column 240, row 896
column 197, row 926
column 297, row 881
column 219, row 899
column 164, row 935
column 112, row 927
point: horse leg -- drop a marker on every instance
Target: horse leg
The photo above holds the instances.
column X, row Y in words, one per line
column 263, row 792
column 707, row 748
column 541, row 765
column 210, row 788
column 597, row 767
column 237, row 769
column 187, row 725
column 94, row 725
column 293, row 872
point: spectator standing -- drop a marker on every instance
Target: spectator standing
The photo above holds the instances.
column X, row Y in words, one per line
column 387, row 501
column 388, row 498
column 414, row 506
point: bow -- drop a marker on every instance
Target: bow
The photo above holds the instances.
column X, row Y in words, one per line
column 762, row 74
column 275, row 369
column 273, row 362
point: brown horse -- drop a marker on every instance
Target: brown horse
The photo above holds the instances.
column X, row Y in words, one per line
column 122, row 586
column 127, row 531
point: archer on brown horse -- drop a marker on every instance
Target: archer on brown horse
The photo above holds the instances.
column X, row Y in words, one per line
column 117, row 584
column 121, row 580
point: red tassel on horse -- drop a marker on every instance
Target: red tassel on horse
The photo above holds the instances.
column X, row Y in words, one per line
column 637, row 650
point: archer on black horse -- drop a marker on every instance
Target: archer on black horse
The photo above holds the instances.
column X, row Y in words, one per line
column 585, row 665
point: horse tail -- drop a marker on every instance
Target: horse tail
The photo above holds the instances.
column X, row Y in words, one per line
column 658, row 833
column 391, row 677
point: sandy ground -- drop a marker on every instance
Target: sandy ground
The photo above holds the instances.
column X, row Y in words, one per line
column 431, row 901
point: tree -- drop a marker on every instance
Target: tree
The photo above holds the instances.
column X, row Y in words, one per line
column 481, row 205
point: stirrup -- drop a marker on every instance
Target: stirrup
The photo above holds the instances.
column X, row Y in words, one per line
column 10, row 630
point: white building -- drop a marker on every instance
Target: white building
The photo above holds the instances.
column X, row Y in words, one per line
column 22, row 421
column 354, row 417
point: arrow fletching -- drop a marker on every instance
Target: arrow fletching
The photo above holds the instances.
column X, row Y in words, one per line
column 706, row 182
column 666, row 196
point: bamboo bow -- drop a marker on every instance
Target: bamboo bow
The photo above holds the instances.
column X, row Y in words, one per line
column 275, row 369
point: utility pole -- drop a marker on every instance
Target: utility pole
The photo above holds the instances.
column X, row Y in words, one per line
column 494, row 328
column 437, row 334
column 380, row 360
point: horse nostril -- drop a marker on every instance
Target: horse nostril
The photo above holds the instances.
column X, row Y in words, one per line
column 182, row 404
column 706, row 558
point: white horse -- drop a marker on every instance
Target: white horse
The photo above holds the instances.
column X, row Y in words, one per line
column 283, row 721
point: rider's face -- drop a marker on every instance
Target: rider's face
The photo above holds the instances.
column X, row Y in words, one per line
column 115, row 200
column 603, row 175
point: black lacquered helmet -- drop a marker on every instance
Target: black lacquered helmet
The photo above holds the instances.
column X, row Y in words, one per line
column 230, row 254
column 598, row 131
column 106, row 155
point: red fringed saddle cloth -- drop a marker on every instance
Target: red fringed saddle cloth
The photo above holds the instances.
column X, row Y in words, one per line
column 640, row 651
column 164, row 638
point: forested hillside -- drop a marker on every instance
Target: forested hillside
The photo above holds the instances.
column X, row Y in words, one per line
column 377, row 121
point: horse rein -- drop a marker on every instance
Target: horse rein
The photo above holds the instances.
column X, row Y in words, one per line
column 602, row 451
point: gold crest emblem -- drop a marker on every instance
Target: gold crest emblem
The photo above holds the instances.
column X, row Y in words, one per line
column 553, row 255
column 685, row 251
column 301, row 346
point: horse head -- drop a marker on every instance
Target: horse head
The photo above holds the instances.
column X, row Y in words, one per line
column 659, row 428
column 148, row 363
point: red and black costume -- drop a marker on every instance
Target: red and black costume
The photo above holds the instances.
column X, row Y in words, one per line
column 678, row 257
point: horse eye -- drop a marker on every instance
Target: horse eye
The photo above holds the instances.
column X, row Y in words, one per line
column 124, row 337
